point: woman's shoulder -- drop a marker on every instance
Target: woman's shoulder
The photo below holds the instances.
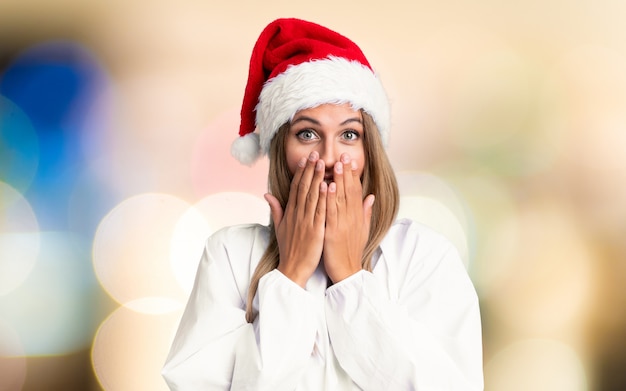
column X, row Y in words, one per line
column 241, row 236
column 407, row 238
column 410, row 245
column 411, row 231
column 240, row 230
column 237, row 249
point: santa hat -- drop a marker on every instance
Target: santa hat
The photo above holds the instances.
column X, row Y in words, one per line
column 297, row 65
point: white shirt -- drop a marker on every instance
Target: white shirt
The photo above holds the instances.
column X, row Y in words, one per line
column 413, row 323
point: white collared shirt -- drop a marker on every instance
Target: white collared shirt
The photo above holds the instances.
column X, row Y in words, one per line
column 413, row 323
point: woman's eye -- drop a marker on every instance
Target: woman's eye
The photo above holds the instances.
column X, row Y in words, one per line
column 306, row 135
column 350, row 135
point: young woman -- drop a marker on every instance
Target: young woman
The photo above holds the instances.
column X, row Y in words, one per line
column 335, row 294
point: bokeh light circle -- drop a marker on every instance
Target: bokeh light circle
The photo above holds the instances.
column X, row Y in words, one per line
column 19, row 239
column 490, row 203
column 437, row 216
column 130, row 348
column 427, row 199
column 54, row 295
column 547, row 282
column 17, row 213
column 201, row 220
column 154, row 305
column 132, row 246
column 214, row 169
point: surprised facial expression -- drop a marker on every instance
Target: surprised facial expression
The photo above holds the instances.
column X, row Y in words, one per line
column 329, row 129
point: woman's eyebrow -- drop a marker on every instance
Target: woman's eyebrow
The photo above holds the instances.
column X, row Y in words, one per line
column 316, row 122
column 355, row 119
column 305, row 118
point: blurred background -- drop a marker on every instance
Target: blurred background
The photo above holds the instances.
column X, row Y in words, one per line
column 116, row 117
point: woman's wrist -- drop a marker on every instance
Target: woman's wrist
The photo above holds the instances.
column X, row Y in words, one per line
column 295, row 274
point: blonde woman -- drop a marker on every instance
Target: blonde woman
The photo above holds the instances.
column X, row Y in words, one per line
column 335, row 294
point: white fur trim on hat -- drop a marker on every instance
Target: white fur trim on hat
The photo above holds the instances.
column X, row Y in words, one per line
column 310, row 84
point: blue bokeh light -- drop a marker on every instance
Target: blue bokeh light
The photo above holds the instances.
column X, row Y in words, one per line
column 19, row 146
column 54, row 87
column 50, row 107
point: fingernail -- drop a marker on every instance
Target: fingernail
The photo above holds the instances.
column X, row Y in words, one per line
column 313, row 156
column 345, row 158
column 332, row 187
column 319, row 165
column 302, row 162
column 339, row 168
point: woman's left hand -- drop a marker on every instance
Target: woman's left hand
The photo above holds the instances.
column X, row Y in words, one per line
column 347, row 221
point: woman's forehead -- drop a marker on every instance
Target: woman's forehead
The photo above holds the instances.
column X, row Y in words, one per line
column 329, row 111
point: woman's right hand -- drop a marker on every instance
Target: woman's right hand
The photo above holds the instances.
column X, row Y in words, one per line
column 300, row 227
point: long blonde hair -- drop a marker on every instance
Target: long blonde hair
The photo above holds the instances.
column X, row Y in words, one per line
column 378, row 179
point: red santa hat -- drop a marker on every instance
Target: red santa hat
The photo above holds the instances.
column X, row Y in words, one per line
column 297, row 65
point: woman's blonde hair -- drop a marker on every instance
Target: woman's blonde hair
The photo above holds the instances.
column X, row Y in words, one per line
column 378, row 179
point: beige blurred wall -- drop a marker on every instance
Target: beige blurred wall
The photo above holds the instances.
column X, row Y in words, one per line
column 518, row 108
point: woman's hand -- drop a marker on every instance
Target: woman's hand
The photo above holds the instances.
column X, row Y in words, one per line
column 347, row 221
column 300, row 227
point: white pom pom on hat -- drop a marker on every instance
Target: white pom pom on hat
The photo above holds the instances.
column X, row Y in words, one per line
column 246, row 149
column 296, row 65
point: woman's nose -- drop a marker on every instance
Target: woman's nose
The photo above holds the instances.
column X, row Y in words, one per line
column 328, row 154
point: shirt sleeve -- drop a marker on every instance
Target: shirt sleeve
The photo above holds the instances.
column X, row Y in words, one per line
column 426, row 338
column 216, row 349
